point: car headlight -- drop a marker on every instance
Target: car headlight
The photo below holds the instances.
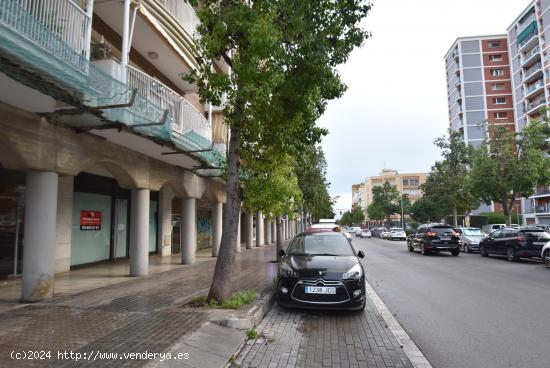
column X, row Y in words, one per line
column 353, row 273
column 287, row 271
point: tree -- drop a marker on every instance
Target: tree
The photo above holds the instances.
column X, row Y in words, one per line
column 283, row 55
column 511, row 164
column 449, row 183
column 346, row 219
column 425, row 209
column 357, row 216
column 385, row 202
column 311, row 168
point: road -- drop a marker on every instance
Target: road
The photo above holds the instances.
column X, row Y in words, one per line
column 465, row 311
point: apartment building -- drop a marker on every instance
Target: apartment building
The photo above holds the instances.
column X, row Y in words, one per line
column 405, row 183
column 528, row 37
column 357, row 196
column 479, row 89
column 106, row 153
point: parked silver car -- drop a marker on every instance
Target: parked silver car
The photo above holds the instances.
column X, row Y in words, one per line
column 470, row 237
column 545, row 254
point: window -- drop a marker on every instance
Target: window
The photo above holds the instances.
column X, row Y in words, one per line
column 497, row 87
column 499, row 100
column 410, row 182
column 494, row 44
column 495, row 57
column 497, row 72
column 500, row 115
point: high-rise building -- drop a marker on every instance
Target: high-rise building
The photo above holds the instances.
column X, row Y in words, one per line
column 530, row 68
column 479, row 89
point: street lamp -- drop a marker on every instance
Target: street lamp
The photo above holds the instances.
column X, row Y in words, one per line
column 402, row 215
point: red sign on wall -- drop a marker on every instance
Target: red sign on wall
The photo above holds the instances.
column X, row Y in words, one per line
column 90, row 220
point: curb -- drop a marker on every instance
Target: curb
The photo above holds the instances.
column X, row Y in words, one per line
column 255, row 314
column 416, row 357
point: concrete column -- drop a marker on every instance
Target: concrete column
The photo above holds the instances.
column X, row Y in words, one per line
column 65, row 195
column 188, row 230
column 238, row 242
column 139, row 232
column 274, row 231
column 40, row 235
column 259, row 229
column 285, row 228
column 217, row 220
column 249, row 230
column 267, row 231
column 166, row 195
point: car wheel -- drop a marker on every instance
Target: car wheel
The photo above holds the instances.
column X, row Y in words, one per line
column 510, row 255
column 466, row 248
column 422, row 250
column 546, row 258
column 483, row 252
column 455, row 252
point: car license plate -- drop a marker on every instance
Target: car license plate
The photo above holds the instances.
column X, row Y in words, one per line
column 446, row 239
column 320, row 290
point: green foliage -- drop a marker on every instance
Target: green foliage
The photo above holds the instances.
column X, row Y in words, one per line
column 355, row 217
column 449, row 185
column 511, row 164
column 239, row 299
column 386, row 201
column 311, row 168
column 251, row 334
column 499, row 218
column 198, row 301
column 426, row 209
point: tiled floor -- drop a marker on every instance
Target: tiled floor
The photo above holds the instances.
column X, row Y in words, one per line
column 128, row 315
column 95, row 276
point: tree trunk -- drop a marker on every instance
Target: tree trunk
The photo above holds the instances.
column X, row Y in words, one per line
column 455, row 217
column 279, row 237
column 221, row 287
column 506, row 209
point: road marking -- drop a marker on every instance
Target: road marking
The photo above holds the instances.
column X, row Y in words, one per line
column 418, row 360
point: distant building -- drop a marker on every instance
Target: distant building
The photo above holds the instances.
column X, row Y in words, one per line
column 406, row 183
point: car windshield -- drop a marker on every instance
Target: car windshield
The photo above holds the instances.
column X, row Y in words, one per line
column 473, row 232
column 321, row 244
column 396, row 229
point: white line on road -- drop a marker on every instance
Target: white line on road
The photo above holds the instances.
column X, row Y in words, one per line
column 412, row 351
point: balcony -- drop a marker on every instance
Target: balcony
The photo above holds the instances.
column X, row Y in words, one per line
column 183, row 12
column 186, row 123
column 533, row 73
column 49, row 38
column 527, row 38
column 542, row 208
column 534, row 107
column 529, row 58
column 534, row 89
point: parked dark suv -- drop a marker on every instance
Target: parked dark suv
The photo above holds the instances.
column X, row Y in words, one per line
column 431, row 238
column 515, row 243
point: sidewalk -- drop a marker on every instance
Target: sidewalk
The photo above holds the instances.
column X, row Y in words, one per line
column 138, row 315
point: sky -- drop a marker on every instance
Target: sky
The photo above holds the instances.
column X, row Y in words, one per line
column 396, row 102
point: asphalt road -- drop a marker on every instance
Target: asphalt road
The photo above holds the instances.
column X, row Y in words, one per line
column 465, row 311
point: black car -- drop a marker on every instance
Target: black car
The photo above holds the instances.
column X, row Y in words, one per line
column 321, row 271
column 432, row 238
column 515, row 243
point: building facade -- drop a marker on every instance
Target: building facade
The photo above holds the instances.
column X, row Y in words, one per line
column 106, row 153
column 405, row 183
column 528, row 37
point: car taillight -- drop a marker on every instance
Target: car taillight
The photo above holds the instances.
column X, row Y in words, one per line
column 456, row 234
column 431, row 234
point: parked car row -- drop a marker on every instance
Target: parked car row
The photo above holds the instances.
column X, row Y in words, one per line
column 512, row 242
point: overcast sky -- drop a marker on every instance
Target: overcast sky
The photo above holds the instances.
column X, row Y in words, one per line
column 396, row 103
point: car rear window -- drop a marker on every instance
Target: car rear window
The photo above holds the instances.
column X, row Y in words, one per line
column 321, row 244
column 473, row 232
column 536, row 234
column 440, row 230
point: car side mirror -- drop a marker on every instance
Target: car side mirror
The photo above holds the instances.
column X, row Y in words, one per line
column 361, row 254
column 282, row 253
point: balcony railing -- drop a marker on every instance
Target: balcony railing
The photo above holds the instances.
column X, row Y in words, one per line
column 542, row 209
column 60, row 27
column 537, row 85
column 532, row 70
column 183, row 116
column 183, row 12
column 535, row 104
